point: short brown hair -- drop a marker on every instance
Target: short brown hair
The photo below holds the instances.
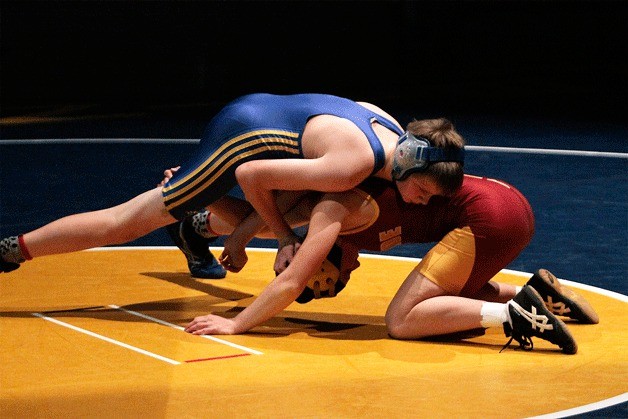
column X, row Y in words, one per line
column 441, row 133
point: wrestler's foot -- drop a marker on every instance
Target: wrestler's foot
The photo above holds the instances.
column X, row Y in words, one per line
column 10, row 254
column 529, row 317
column 560, row 300
column 201, row 262
column 207, row 269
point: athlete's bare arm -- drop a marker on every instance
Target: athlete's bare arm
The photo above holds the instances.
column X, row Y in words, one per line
column 337, row 158
column 361, row 213
column 325, row 225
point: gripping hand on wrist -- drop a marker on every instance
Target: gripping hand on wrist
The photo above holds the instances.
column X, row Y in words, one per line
column 288, row 246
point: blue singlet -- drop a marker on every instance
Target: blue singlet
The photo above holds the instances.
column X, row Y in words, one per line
column 253, row 127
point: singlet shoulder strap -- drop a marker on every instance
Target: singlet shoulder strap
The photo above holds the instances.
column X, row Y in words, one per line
column 387, row 123
column 378, row 149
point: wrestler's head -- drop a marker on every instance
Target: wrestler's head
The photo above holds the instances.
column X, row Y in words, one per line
column 333, row 275
column 430, row 149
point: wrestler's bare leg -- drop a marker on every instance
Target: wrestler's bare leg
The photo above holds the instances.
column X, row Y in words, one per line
column 115, row 225
column 421, row 308
column 496, row 292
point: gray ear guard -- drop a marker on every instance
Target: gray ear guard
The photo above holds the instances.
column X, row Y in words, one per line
column 415, row 154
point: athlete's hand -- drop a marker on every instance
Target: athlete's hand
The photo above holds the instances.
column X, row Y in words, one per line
column 168, row 173
column 234, row 256
column 211, row 325
column 288, row 247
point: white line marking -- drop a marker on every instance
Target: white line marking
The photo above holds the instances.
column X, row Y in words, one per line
column 582, row 409
column 54, row 141
column 36, row 141
column 583, row 153
column 622, row 398
column 106, row 339
column 175, row 326
column 601, row 291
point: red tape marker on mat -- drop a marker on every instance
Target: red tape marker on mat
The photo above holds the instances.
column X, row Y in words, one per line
column 217, row 357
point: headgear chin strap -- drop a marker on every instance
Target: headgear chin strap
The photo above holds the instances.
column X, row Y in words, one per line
column 415, row 154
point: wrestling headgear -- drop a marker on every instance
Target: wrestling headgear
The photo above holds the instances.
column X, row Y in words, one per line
column 415, row 154
column 328, row 281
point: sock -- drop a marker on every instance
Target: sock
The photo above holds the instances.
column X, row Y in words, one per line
column 13, row 250
column 200, row 222
column 518, row 289
column 494, row 314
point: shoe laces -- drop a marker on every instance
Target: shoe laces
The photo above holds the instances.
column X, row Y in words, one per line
column 525, row 342
column 538, row 322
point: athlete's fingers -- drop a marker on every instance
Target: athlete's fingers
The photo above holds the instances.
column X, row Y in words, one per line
column 211, row 325
column 205, row 331
column 227, row 261
column 194, row 324
column 168, row 173
column 285, row 256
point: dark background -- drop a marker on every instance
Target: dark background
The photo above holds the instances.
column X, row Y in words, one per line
column 564, row 59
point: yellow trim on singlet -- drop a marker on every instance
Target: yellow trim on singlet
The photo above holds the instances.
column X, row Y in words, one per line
column 219, row 173
column 228, row 144
column 210, row 164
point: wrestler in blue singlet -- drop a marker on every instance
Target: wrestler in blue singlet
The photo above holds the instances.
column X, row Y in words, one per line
column 255, row 127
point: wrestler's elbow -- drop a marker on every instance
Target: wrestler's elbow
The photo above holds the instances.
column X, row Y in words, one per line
column 341, row 182
column 292, row 283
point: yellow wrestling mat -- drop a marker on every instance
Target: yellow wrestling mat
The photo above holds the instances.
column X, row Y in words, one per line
column 99, row 334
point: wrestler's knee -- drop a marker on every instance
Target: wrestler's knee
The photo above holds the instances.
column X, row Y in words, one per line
column 396, row 324
column 403, row 322
column 246, row 174
column 394, row 330
column 119, row 228
column 403, row 331
column 135, row 218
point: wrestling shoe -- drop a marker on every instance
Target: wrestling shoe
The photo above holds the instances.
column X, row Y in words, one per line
column 529, row 317
column 8, row 266
column 560, row 300
column 10, row 254
column 201, row 262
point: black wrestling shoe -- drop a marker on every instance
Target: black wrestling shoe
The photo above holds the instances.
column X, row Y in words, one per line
column 201, row 262
column 562, row 301
column 529, row 317
column 8, row 266
column 8, row 247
